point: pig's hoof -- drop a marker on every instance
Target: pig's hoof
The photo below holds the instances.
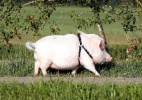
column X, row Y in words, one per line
column 74, row 75
column 98, row 75
column 34, row 74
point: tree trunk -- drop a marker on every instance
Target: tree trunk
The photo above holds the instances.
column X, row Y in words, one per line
column 95, row 6
column 101, row 30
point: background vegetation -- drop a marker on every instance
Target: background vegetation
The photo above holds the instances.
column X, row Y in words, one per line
column 36, row 22
column 21, row 21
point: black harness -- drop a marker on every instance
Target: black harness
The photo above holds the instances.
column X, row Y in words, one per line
column 82, row 46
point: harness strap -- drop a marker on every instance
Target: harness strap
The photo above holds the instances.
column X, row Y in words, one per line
column 82, row 46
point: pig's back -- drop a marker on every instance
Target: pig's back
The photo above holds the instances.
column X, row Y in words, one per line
column 57, row 41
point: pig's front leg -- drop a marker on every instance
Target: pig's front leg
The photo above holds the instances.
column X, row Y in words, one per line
column 91, row 67
column 88, row 64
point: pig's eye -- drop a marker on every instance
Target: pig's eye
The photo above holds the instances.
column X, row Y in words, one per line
column 103, row 48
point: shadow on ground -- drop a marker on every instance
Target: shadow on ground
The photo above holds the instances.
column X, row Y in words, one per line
column 105, row 66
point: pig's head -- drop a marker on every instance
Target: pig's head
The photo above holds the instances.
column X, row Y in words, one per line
column 99, row 53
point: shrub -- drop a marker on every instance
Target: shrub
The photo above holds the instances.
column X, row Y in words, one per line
column 134, row 51
column 118, row 52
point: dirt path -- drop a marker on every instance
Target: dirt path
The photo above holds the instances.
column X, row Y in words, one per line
column 73, row 79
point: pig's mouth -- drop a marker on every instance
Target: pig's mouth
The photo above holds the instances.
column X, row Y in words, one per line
column 106, row 60
column 103, row 61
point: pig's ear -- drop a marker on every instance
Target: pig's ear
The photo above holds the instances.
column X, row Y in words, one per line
column 101, row 45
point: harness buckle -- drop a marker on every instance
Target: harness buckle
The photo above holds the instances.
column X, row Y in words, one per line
column 81, row 45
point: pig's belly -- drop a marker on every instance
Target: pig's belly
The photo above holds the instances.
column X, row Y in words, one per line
column 63, row 67
column 64, row 63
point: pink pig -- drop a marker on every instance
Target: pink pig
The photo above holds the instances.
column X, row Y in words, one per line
column 66, row 52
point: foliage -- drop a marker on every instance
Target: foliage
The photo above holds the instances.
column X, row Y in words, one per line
column 126, row 13
column 15, row 20
column 60, row 90
column 134, row 51
column 118, row 52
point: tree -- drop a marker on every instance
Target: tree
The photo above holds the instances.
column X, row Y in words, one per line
column 125, row 13
column 14, row 21
column 11, row 13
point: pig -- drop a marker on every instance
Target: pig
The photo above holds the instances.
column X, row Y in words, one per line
column 62, row 52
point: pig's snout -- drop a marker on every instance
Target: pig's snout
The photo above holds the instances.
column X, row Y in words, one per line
column 108, row 59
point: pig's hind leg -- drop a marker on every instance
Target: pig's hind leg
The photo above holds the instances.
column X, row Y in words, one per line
column 74, row 71
column 37, row 64
column 44, row 66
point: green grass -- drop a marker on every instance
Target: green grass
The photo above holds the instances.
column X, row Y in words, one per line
column 23, row 67
column 53, row 90
column 20, row 62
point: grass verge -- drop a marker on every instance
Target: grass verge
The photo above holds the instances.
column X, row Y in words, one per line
column 61, row 90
